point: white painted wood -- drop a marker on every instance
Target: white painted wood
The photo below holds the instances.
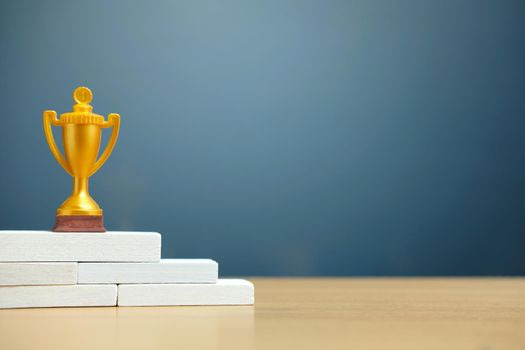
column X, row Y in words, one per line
column 225, row 292
column 20, row 273
column 166, row 271
column 58, row 296
column 79, row 246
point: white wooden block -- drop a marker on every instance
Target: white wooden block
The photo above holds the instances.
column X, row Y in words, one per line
column 20, row 273
column 166, row 271
column 57, row 296
column 225, row 292
column 79, row 246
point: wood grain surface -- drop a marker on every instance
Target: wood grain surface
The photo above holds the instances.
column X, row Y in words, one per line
column 386, row 313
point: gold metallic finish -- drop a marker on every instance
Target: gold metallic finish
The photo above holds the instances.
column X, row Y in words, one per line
column 81, row 136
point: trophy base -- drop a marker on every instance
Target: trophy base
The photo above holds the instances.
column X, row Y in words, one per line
column 79, row 223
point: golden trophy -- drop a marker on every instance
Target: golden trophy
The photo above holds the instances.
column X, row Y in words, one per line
column 81, row 137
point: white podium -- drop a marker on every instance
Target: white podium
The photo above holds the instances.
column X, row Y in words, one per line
column 48, row 269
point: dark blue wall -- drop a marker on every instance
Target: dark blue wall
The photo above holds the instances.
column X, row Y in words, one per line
column 283, row 137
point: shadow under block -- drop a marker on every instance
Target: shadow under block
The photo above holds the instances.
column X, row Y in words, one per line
column 24, row 274
column 167, row 271
column 225, row 292
column 79, row 246
column 58, row 296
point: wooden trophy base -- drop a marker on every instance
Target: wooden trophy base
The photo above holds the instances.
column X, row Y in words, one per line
column 79, row 223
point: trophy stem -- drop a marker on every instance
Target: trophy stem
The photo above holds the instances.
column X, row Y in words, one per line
column 80, row 186
column 78, row 221
column 80, row 202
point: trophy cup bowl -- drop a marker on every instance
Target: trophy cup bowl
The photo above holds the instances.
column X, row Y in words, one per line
column 81, row 137
column 81, row 146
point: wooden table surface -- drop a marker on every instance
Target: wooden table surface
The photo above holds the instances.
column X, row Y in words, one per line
column 373, row 313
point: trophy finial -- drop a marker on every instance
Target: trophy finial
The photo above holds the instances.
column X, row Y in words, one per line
column 82, row 96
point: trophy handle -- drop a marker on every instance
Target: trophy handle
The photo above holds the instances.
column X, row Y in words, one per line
column 50, row 118
column 113, row 121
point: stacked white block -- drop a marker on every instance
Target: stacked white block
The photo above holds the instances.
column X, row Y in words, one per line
column 224, row 292
column 58, row 296
column 27, row 274
column 47, row 269
column 45, row 246
column 164, row 271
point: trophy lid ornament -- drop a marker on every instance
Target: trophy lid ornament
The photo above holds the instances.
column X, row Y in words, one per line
column 81, row 138
column 82, row 95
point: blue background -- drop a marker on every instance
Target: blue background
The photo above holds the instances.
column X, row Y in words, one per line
column 283, row 137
